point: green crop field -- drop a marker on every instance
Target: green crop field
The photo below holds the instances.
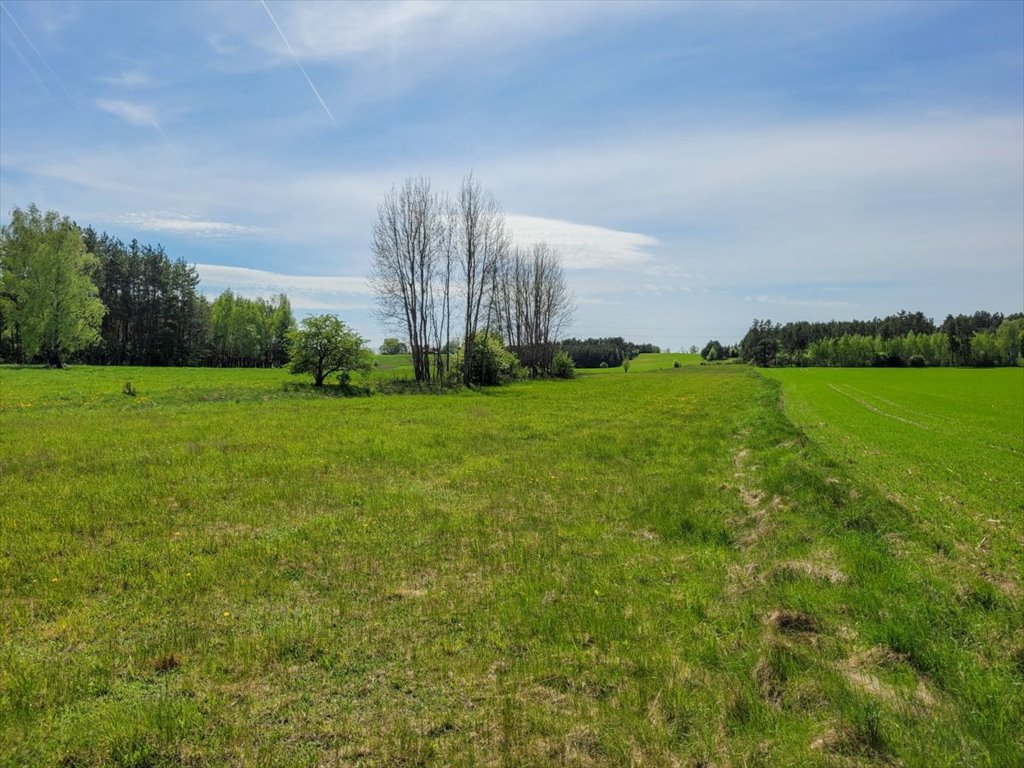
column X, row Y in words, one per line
column 946, row 444
column 656, row 568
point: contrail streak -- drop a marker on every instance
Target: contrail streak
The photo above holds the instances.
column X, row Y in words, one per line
column 35, row 50
column 28, row 64
column 301, row 68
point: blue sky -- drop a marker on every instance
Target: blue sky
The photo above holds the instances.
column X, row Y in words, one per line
column 698, row 165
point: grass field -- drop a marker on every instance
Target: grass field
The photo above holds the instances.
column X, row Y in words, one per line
column 648, row 569
column 650, row 361
column 946, row 444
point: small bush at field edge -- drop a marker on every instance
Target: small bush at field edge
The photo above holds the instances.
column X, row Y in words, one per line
column 563, row 367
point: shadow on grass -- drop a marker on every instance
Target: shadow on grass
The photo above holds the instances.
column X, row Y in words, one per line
column 398, row 386
column 327, row 390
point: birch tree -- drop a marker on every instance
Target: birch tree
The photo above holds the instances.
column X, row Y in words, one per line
column 483, row 243
column 407, row 240
column 533, row 304
column 47, row 293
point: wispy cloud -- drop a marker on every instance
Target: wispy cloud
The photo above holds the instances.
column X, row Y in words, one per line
column 131, row 78
column 333, row 31
column 796, row 302
column 299, row 63
column 130, row 111
column 307, row 293
column 186, row 225
column 740, row 211
column 594, row 301
column 143, row 115
column 664, row 269
column 583, row 246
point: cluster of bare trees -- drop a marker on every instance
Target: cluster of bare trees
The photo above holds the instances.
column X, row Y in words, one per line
column 532, row 304
column 439, row 263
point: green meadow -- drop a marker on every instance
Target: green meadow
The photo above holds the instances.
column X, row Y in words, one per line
column 650, row 361
column 700, row 565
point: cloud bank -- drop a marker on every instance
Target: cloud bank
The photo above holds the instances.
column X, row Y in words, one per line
column 307, row 293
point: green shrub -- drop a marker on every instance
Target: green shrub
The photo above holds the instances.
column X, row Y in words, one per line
column 562, row 367
column 492, row 364
column 916, row 361
column 677, row 364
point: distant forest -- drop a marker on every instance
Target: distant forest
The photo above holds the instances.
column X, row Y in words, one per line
column 610, row 351
column 155, row 315
column 983, row 339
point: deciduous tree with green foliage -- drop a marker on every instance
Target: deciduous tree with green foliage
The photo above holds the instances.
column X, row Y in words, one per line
column 47, row 295
column 393, row 346
column 323, row 345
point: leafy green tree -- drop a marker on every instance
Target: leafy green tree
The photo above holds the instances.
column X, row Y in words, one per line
column 985, row 351
column 960, row 329
column 1010, row 340
column 47, row 293
column 323, row 345
column 393, row 346
column 282, row 323
column 249, row 332
column 490, row 363
column 712, row 350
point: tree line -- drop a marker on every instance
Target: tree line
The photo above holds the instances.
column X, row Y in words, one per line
column 471, row 303
column 72, row 294
column 610, row 352
column 905, row 339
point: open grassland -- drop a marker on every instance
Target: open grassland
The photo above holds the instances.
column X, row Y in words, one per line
column 393, row 365
column 649, row 569
column 650, row 361
column 35, row 388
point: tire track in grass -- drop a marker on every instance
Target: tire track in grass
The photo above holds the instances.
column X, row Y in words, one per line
column 900, row 406
column 931, row 416
column 873, row 409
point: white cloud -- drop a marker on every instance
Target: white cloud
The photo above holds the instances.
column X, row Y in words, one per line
column 132, row 78
column 130, row 111
column 588, row 301
column 815, row 200
column 583, row 246
column 930, row 206
column 792, row 302
column 334, row 31
column 664, row 269
column 186, row 225
column 307, row 293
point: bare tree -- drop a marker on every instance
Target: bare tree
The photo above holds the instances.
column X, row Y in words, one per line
column 533, row 304
column 483, row 243
column 423, row 244
column 406, row 244
column 441, row 322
